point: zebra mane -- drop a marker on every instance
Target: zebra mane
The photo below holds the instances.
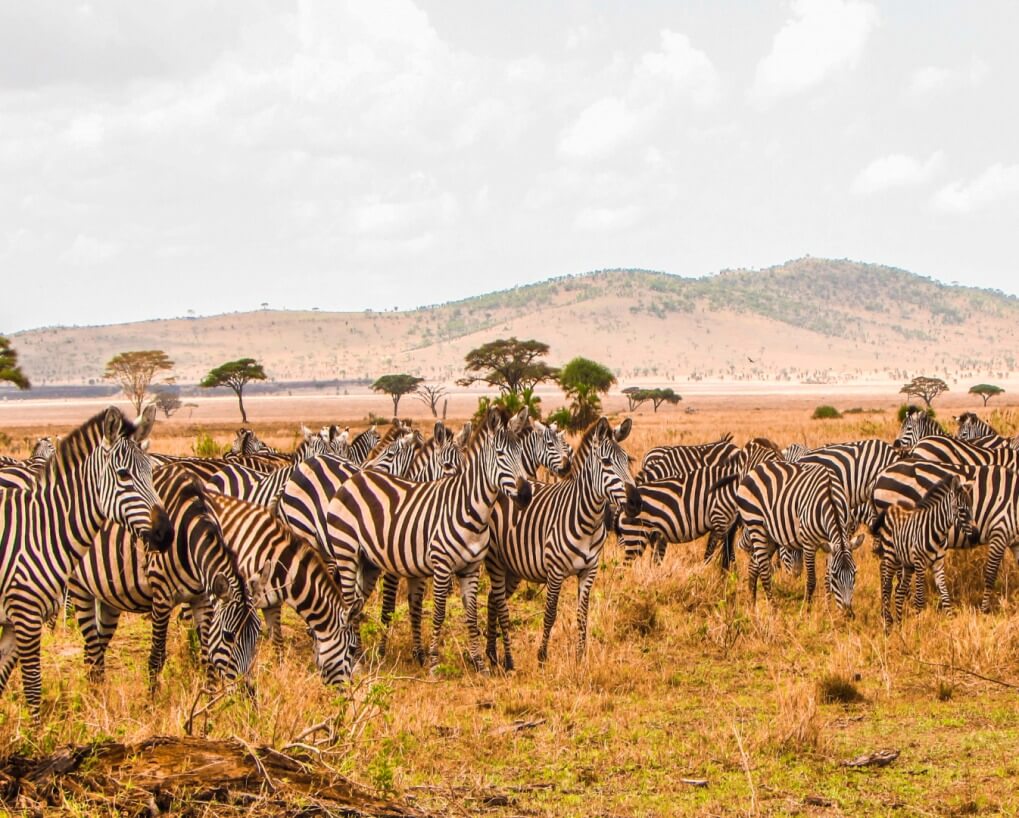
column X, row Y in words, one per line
column 939, row 492
column 73, row 449
column 480, row 431
column 765, row 443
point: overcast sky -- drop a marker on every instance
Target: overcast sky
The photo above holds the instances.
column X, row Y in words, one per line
column 157, row 158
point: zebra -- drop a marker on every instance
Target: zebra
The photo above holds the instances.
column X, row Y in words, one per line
column 994, row 512
column 856, row 465
column 366, row 442
column 545, row 446
column 246, row 442
column 672, row 461
column 377, row 522
column 561, row 533
column 21, row 474
column 944, row 449
column 916, row 425
column 974, row 430
column 917, row 537
column 794, row 452
column 289, row 570
column 802, row 508
column 118, row 575
column 682, row 509
column 98, row 472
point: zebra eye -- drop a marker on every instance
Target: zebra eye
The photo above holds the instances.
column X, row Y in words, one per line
column 228, row 636
column 123, row 474
column 607, row 461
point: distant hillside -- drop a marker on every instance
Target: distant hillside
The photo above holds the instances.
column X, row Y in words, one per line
column 815, row 320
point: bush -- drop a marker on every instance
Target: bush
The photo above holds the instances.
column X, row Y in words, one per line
column 904, row 409
column 561, row 416
column 836, row 688
column 826, row 413
column 205, row 446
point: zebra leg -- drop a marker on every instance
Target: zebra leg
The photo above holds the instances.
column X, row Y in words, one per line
column 416, row 587
column 942, row 585
column 442, row 584
column 469, row 598
column 157, row 656
column 810, row 561
column 552, row 588
column 8, row 654
column 201, row 614
column 106, row 619
column 585, row 580
column 887, row 575
column 761, row 551
column 995, row 555
column 905, row 580
column 271, row 615
column 496, row 599
column 85, row 614
column 390, row 585
column 920, row 588
column 28, row 635
column 660, row 545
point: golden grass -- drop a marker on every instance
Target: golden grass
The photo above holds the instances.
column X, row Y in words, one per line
column 684, row 678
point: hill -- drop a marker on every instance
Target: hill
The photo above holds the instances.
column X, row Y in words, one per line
column 813, row 320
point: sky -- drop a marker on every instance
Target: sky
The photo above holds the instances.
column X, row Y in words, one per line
column 157, row 159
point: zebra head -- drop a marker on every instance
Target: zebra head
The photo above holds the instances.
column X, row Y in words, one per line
column 497, row 446
column 234, row 628
column 246, row 442
column 841, row 577
column 338, row 442
column 44, row 449
column 313, row 445
column 971, row 427
column 916, row 425
column 439, row 457
column 125, row 490
column 608, row 466
column 546, row 446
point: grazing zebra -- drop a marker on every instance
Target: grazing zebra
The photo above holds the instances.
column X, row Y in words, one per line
column 682, row 509
column 289, row 570
column 994, row 511
column 916, row 425
column 99, row 472
column 560, row 534
column 380, row 523
column 118, row 575
column 672, row 461
column 916, row 537
column 802, row 508
column 943, row 449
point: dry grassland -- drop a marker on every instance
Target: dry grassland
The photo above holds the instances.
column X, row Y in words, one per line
column 684, row 679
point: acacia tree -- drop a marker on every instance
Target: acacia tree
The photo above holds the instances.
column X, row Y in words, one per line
column 167, row 400
column 585, row 381
column 396, row 386
column 235, row 374
column 635, row 396
column 509, row 364
column 134, row 372
column 431, row 395
column 985, row 391
column 927, row 389
column 660, row 396
column 10, row 372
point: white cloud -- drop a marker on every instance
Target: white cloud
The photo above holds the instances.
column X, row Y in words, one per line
column 685, row 68
column 997, row 182
column 607, row 218
column 896, row 170
column 601, row 128
column 932, row 79
column 821, row 37
column 88, row 251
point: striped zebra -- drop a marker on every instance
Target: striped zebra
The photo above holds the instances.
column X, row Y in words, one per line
column 994, row 512
column 380, row 523
column 99, row 472
column 794, row 452
column 916, row 537
column 974, row 430
column 118, row 575
column 246, row 442
column 672, row 461
column 544, row 445
column 916, row 425
column 801, row 508
column 368, row 441
column 21, row 474
column 286, row 569
column 944, row 449
column 560, row 534
column 856, row 466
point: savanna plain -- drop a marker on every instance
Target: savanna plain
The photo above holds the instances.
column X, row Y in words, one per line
column 691, row 699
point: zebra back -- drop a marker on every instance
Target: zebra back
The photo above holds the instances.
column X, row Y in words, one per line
column 672, row 461
column 942, row 449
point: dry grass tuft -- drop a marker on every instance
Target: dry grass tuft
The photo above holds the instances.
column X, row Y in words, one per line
column 834, row 688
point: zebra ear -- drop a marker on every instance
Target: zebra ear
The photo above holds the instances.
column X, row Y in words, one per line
column 220, row 587
column 145, row 422
column 257, row 586
column 465, row 434
column 306, row 432
column 113, row 426
column 623, row 431
column 518, row 421
column 440, row 432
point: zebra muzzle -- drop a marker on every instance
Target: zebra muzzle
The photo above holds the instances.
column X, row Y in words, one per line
column 633, row 505
column 522, row 495
column 160, row 529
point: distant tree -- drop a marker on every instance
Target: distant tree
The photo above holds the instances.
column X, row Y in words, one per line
column 660, row 396
column 431, row 395
column 235, row 374
column 585, row 381
column 635, row 396
column 134, row 372
column 927, row 389
column 396, row 386
column 511, row 402
column 167, row 399
column 10, row 372
column 508, row 364
column 985, row 391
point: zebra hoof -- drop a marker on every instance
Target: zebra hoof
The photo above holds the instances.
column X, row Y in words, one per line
column 419, row 656
column 96, row 675
column 542, row 655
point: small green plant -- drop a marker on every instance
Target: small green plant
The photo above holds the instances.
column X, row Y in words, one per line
column 826, row 412
column 560, row 416
column 905, row 408
column 205, row 446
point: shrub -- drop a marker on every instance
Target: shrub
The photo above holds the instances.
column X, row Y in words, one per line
column 560, row 416
column 205, row 446
column 905, row 407
column 826, row 413
column 835, row 687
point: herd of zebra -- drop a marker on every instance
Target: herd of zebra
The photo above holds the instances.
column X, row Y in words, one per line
column 99, row 523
